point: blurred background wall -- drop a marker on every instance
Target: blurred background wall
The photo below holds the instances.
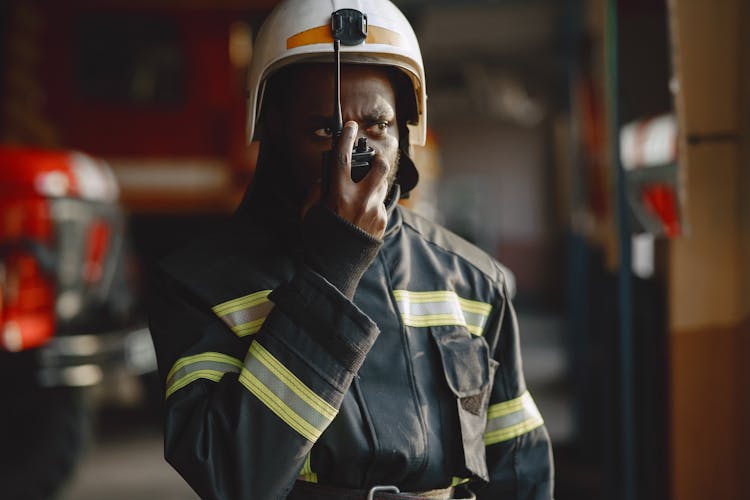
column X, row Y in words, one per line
column 631, row 266
column 709, row 320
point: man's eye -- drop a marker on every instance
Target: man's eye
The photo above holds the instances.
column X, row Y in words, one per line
column 379, row 128
column 323, row 132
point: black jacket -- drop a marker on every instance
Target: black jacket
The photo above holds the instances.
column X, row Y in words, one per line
column 273, row 375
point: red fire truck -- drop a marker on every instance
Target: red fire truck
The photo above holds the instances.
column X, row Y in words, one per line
column 65, row 308
column 155, row 89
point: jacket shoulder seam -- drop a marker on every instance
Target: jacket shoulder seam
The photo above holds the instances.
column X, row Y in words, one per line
column 489, row 269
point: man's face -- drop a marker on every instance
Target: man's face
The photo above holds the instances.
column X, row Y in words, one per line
column 367, row 97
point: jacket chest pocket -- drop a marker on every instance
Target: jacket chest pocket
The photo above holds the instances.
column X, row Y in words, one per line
column 469, row 372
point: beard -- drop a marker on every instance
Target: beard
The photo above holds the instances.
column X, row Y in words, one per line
column 393, row 173
column 300, row 190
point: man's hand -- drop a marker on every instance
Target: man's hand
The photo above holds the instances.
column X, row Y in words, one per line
column 361, row 203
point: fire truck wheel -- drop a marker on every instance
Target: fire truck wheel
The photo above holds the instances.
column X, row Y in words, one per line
column 46, row 431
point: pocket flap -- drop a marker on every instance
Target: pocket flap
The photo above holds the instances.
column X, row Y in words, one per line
column 466, row 360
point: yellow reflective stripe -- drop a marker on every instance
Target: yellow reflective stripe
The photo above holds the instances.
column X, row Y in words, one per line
column 249, row 328
column 455, row 481
column 240, row 303
column 213, row 375
column 511, row 419
column 245, row 315
column 505, row 408
column 285, row 394
column 436, row 296
column 306, row 468
column 306, row 474
column 442, row 308
column 474, row 306
column 208, row 365
column 204, row 356
column 441, row 320
column 276, row 405
column 522, row 403
column 433, row 320
column 418, row 297
column 291, row 381
column 511, row 432
column 475, row 329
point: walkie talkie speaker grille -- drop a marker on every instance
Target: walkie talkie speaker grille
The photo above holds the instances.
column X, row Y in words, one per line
column 300, row 31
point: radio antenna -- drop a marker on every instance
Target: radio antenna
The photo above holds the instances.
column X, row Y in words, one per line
column 348, row 27
column 338, row 122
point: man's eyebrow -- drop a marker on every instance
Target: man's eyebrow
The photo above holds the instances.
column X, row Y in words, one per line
column 380, row 112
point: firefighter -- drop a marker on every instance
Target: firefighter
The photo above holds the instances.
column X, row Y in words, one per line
column 327, row 343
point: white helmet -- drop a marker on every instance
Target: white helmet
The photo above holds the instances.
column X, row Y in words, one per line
column 300, row 31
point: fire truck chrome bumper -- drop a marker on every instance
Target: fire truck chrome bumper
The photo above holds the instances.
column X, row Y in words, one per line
column 85, row 360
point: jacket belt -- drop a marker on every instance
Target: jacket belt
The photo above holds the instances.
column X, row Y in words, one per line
column 312, row 491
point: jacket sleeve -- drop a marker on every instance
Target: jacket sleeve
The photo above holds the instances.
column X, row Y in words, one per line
column 241, row 414
column 518, row 451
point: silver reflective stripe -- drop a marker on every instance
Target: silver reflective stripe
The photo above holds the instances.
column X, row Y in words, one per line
column 511, row 419
column 428, row 308
column 442, row 308
column 248, row 321
column 208, row 365
column 245, row 315
column 285, row 394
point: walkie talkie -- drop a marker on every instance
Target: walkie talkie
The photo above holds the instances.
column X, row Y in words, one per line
column 349, row 27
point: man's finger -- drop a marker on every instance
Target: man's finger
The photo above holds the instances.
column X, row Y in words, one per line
column 343, row 153
column 377, row 176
